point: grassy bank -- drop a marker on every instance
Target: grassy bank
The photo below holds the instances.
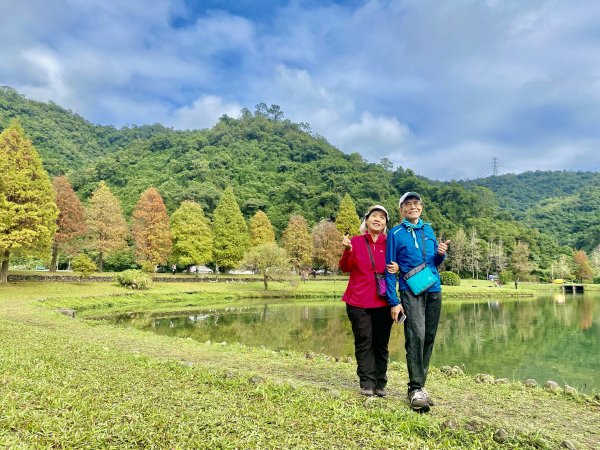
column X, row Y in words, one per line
column 70, row 383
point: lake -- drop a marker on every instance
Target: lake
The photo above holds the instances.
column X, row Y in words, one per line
column 554, row 337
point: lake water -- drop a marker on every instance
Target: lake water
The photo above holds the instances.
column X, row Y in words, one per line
column 554, row 337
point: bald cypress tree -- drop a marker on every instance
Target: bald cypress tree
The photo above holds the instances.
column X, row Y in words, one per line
column 261, row 229
column 28, row 210
column 192, row 236
column 347, row 221
column 230, row 232
column 150, row 230
column 107, row 226
column 71, row 218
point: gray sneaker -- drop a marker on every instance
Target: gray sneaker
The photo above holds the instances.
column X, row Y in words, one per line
column 380, row 392
column 418, row 400
column 429, row 401
column 369, row 392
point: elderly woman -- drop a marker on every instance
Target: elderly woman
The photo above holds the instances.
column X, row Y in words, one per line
column 368, row 311
column 413, row 245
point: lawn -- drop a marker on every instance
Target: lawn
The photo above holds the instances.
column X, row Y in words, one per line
column 74, row 383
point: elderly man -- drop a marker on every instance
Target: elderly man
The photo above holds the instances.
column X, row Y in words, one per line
column 413, row 246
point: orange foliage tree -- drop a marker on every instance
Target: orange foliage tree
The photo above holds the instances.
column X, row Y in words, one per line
column 107, row 226
column 327, row 245
column 71, row 219
column 150, row 230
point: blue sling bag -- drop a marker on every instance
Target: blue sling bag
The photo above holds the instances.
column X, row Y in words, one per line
column 421, row 277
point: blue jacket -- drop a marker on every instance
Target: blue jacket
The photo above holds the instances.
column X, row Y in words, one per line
column 401, row 248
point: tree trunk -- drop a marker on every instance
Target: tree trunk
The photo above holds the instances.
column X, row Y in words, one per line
column 4, row 268
column 265, row 281
column 100, row 261
column 54, row 262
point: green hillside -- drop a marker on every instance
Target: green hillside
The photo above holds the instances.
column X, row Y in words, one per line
column 66, row 141
column 272, row 164
column 566, row 205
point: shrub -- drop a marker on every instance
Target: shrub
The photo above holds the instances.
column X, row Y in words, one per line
column 83, row 265
column 134, row 279
column 506, row 276
column 449, row 279
column 596, row 280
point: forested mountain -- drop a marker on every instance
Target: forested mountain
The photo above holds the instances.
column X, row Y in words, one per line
column 564, row 204
column 66, row 141
column 272, row 164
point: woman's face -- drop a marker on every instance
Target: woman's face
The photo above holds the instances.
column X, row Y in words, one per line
column 376, row 222
column 411, row 209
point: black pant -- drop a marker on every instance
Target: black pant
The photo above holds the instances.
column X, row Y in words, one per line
column 422, row 317
column 371, row 328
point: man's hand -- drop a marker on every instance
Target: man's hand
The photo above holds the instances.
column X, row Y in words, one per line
column 443, row 248
column 396, row 310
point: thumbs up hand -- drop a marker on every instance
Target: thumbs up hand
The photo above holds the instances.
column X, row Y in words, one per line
column 443, row 248
column 346, row 242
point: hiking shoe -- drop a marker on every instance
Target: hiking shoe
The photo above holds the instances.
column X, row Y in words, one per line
column 367, row 391
column 418, row 400
column 429, row 401
column 380, row 392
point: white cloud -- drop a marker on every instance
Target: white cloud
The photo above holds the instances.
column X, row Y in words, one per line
column 203, row 113
column 438, row 87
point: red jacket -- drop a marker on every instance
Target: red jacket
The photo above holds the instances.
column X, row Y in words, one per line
column 361, row 285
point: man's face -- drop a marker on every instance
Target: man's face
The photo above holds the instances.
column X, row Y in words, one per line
column 411, row 209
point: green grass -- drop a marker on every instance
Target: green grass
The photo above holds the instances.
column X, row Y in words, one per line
column 68, row 383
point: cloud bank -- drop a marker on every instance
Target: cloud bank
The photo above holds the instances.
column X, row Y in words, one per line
column 438, row 87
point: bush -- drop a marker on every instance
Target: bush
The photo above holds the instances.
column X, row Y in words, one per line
column 506, row 276
column 83, row 265
column 134, row 279
column 449, row 279
column 120, row 261
column 596, row 280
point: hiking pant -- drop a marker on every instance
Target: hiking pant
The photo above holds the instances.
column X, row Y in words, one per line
column 422, row 317
column 371, row 328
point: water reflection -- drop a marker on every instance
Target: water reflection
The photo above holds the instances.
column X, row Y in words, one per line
column 556, row 337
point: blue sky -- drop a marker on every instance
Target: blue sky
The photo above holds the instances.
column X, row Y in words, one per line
column 440, row 87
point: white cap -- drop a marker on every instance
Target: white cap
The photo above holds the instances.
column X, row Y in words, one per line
column 408, row 195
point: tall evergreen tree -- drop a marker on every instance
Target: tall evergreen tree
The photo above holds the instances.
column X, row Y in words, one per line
column 107, row 226
column 71, row 219
column 230, row 232
column 347, row 220
column 192, row 236
column 297, row 241
column 261, row 230
column 28, row 210
column 150, row 229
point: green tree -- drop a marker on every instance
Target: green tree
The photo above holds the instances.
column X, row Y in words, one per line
column 28, row 210
column 595, row 259
column 261, row 230
column 192, row 236
column 230, row 232
column 83, row 265
column 347, row 220
column 298, row 242
column 71, row 219
column 519, row 260
column 457, row 255
column 150, row 230
column 107, row 226
column 269, row 260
